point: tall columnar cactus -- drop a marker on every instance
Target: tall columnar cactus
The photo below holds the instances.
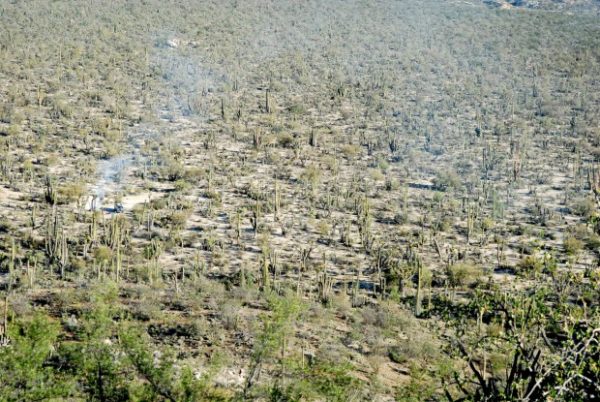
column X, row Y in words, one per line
column 94, row 227
column 277, row 201
column 267, row 101
column 257, row 139
column 238, row 226
column 304, row 257
column 255, row 219
column 33, row 216
column 357, row 300
column 63, row 259
column 116, row 237
column 364, row 224
column 393, row 143
column 345, row 234
column 265, row 275
column 4, row 340
column 418, row 296
column 471, row 218
column 50, row 192
column 313, row 138
column 31, row 269
column 13, row 255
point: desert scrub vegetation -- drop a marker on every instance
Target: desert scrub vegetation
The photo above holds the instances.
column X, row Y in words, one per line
column 298, row 201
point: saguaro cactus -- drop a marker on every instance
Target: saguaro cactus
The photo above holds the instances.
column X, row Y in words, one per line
column 50, row 192
column 364, row 225
column 255, row 219
column 266, row 283
column 277, row 201
column 418, row 296
column 116, row 236
column 238, row 226
column 313, row 139
column 267, row 101
column 4, row 341
column 33, row 217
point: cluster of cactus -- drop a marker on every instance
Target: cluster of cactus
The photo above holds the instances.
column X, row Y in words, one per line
column 414, row 267
column 198, row 264
column 92, row 235
column 305, row 256
column 210, row 140
column 242, row 277
column 31, row 268
column 209, row 212
column 325, row 288
column 380, row 260
column 357, row 299
column 472, row 215
column 327, row 202
column 396, row 267
column 152, row 252
column 593, row 179
column 117, row 235
column 345, row 234
column 269, row 268
column 146, row 217
column 540, row 212
column 6, row 164
column 488, row 160
column 56, row 241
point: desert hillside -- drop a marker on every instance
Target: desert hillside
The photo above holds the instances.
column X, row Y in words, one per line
column 280, row 200
column 578, row 6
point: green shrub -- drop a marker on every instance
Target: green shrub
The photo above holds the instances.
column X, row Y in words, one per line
column 584, row 207
column 572, row 245
column 446, row 180
column 25, row 372
column 529, row 264
column 463, row 274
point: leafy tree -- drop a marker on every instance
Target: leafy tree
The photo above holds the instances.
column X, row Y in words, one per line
column 319, row 380
column 272, row 336
column 550, row 353
column 160, row 378
column 100, row 365
column 26, row 372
